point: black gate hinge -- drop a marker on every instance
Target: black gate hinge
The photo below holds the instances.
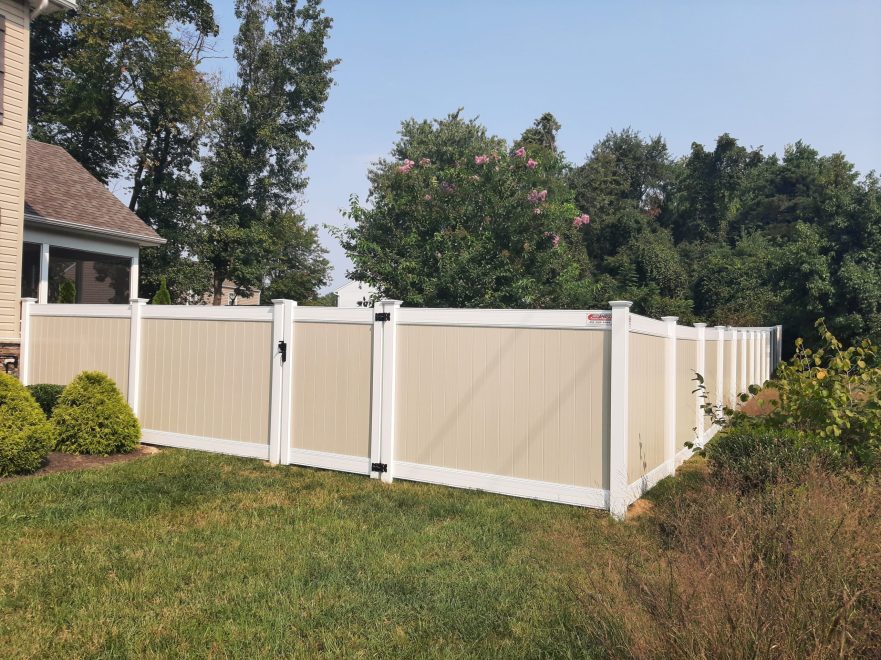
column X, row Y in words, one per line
column 283, row 349
column 383, row 316
column 379, row 467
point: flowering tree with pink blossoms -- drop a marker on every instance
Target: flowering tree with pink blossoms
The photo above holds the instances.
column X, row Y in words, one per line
column 457, row 218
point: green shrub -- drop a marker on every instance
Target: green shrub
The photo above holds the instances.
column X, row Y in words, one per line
column 162, row 296
column 753, row 455
column 834, row 393
column 67, row 292
column 46, row 394
column 25, row 435
column 93, row 418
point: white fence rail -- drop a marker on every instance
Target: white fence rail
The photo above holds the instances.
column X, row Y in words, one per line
column 589, row 407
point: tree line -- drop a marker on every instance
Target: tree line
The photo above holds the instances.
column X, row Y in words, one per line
column 727, row 235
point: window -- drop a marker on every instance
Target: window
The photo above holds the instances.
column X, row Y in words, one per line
column 30, row 270
column 96, row 278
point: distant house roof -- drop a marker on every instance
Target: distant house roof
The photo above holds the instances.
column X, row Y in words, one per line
column 62, row 193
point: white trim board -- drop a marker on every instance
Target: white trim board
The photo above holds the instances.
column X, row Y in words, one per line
column 595, row 498
column 121, row 311
column 329, row 461
column 209, row 313
column 503, row 318
column 201, row 443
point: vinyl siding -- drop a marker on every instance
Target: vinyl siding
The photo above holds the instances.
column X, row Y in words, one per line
column 12, row 164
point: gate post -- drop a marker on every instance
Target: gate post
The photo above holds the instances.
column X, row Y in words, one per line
column 619, row 402
column 281, row 381
column 382, row 425
column 719, row 387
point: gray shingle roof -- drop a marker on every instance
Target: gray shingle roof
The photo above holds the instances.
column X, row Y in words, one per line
column 61, row 191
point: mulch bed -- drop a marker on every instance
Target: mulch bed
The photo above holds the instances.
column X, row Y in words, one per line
column 58, row 462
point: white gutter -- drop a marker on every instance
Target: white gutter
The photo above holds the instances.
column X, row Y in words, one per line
column 144, row 241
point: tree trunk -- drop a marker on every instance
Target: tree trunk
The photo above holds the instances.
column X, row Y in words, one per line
column 218, row 289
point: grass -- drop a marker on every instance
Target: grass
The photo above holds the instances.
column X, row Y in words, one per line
column 184, row 553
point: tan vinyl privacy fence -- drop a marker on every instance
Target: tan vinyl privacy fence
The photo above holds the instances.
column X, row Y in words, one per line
column 590, row 407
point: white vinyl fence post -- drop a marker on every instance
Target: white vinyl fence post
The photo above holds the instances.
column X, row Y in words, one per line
column 670, row 393
column 742, row 349
column 731, row 398
column 376, row 392
column 701, row 368
column 24, row 353
column 136, row 306
column 754, row 357
column 389, row 309
column 719, row 385
column 287, row 385
column 619, row 395
column 281, row 356
column 779, row 340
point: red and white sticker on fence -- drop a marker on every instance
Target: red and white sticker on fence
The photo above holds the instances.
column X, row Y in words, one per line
column 599, row 318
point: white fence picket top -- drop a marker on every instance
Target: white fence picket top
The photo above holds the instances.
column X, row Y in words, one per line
column 508, row 401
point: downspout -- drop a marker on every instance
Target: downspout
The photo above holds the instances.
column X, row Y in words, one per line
column 39, row 9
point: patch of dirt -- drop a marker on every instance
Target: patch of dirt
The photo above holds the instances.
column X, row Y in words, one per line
column 639, row 508
column 760, row 404
column 58, row 462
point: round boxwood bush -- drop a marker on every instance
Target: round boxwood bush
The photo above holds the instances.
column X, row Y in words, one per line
column 25, row 435
column 92, row 418
column 46, row 395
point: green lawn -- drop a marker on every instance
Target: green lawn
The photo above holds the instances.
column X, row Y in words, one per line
column 186, row 553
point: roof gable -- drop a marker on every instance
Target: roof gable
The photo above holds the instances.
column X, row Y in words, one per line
column 60, row 191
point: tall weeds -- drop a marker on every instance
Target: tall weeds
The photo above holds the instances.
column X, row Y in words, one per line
column 791, row 571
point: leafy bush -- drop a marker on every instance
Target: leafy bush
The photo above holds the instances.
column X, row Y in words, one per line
column 833, row 393
column 93, row 418
column 67, row 292
column 46, row 394
column 162, row 296
column 25, row 435
column 753, row 455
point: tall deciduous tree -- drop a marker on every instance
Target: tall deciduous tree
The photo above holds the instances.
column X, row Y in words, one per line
column 456, row 219
column 259, row 141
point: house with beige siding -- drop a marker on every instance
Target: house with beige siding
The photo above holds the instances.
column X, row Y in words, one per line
column 57, row 222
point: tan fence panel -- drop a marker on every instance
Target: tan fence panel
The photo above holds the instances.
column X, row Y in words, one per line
column 686, row 366
column 646, row 413
column 206, row 378
column 332, row 385
column 515, row 402
column 729, row 367
column 711, row 367
column 64, row 346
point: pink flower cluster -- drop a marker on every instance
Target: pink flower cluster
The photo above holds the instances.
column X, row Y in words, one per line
column 481, row 160
column 521, row 152
column 583, row 219
column 536, row 197
column 555, row 238
column 406, row 167
column 531, row 164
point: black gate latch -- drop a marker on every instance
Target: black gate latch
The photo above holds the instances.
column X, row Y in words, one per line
column 378, row 467
column 283, row 349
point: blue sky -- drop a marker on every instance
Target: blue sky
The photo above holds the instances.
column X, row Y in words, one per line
column 769, row 73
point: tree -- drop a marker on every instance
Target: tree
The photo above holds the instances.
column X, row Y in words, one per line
column 258, row 141
column 162, row 296
column 301, row 268
column 458, row 220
